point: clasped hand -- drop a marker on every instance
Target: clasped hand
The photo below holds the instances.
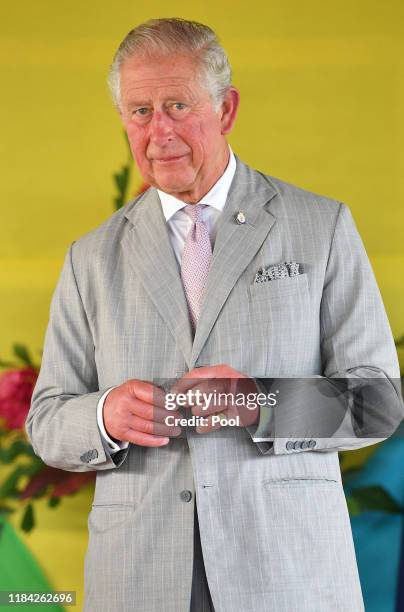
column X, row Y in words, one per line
column 137, row 412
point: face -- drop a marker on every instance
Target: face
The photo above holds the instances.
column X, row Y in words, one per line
column 176, row 136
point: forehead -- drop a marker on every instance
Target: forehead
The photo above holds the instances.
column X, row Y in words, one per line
column 160, row 76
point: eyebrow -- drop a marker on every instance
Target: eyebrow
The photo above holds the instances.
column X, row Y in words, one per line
column 171, row 96
column 134, row 102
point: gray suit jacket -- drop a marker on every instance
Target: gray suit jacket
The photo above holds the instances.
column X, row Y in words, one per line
column 273, row 520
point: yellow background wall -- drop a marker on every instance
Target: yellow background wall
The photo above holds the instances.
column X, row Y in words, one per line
column 322, row 88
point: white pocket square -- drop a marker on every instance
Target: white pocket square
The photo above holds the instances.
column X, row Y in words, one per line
column 281, row 270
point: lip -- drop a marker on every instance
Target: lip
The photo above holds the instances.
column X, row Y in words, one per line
column 168, row 160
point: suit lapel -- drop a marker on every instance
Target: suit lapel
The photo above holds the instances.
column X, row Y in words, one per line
column 150, row 254
column 235, row 245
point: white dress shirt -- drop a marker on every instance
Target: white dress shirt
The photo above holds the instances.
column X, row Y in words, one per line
column 179, row 224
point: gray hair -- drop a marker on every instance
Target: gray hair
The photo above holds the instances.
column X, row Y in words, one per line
column 174, row 35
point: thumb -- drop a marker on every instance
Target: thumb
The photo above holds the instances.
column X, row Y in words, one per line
column 146, row 392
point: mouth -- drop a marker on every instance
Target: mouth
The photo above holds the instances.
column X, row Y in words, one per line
column 168, row 160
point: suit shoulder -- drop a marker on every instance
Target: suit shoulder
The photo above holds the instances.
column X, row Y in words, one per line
column 290, row 200
column 106, row 236
column 296, row 198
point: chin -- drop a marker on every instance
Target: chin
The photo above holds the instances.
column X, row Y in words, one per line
column 172, row 186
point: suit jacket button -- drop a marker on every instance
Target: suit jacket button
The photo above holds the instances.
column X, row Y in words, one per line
column 297, row 444
column 304, row 444
column 290, row 445
column 186, row 495
column 312, row 443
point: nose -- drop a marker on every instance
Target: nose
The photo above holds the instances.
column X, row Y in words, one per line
column 161, row 128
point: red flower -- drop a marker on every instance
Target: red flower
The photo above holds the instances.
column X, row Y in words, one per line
column 16, row 387
column 60, row 482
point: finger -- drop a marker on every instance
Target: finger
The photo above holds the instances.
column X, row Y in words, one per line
column 215, row 396
column 151, row 413
column 209, row 426
column 225, row 394
column 211, row 371
column 160, row 414
column 151, row 427
column 202, row 395
column 188, row 380
column 214, row 375
column 147, row 392
column 144, row 439
column 185, row 384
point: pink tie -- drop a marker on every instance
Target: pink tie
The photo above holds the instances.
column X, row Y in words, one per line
column 195, row 262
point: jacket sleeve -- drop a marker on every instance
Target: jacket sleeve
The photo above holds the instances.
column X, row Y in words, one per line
column 357, row 400
column 62, row 420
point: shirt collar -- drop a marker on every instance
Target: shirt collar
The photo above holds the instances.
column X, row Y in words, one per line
column 216, row 197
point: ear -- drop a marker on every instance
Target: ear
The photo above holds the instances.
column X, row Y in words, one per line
column 228, row 109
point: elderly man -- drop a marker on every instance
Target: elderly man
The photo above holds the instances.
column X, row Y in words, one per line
column 217, row 277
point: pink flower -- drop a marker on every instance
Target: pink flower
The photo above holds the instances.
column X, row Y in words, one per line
column 16, row 387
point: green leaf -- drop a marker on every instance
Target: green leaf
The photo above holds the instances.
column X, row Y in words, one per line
column 22, row 353
column 375, row 499
column 9, row 488
column 349, row 472
column 122, row 179
column 118, row 181
column 353, row 506
column 19, row 447
column 53, row 502
column 125, row 176
column 28, row 519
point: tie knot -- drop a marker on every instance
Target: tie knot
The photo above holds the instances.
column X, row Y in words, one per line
column 194, row 211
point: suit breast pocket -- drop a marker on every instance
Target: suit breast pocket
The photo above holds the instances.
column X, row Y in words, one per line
column 275, row 290
column 283, row 304
column 284, row 323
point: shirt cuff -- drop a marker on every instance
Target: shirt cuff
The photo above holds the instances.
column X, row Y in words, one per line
column 112, row 446
column 263, row 432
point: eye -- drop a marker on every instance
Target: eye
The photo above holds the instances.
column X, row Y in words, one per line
column 141, row 114
column 178, row 110
column 178, row 107
column 140, row 111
